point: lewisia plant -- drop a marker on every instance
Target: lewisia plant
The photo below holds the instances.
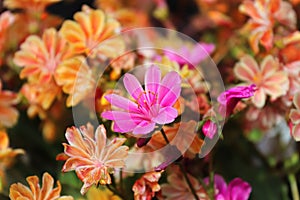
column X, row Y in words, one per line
column 156, row 137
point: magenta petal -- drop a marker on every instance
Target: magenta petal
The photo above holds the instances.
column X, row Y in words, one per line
column 121, row 102
column 133, row 86
column 171, row 95
column 123, row 121
column 144, row 127
column 239, row 189
column 166, row 115
column 152, row 79
column 172, row 79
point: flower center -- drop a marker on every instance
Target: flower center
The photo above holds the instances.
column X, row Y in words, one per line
column 147, row 99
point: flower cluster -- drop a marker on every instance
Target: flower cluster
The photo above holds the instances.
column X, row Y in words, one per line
column 132, row 112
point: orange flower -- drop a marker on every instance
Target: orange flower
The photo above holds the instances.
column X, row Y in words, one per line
column 41, row 56
column 34, row 5
column 76, row 79
column 90, row 28
column 146, row 186
column 6, row 19
column 8, row 114
column 268, row 77
column 92, row 156
column 264, row 14
column 178, row 189
column 182, row 135
column 7, row 154
column 40, row 96
column 35, row 192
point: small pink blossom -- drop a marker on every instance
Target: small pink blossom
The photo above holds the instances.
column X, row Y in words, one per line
column 209, row 129
column 188, row 56
column 295, row 118
column 229, row 99
column 153, row 105
column 237, row 189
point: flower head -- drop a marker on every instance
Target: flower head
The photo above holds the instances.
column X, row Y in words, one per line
column 192, row 57
column 268, row 78
column 76, row 79
column 209, row 129
column 264, row 14
column 7, row 154
column 35, row 192
column 153, row 105
column 92, row 156
column 8, row 114
column 146, row 186
column 237, row 189
column 229, row 99
column 35, row 5
column 295, row 118
column 178, row 189
column 41, row 56
column 90, row 28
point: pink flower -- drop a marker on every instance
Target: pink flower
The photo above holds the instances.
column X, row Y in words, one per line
column 295, row 118
column 152, row 106
column 269, row 78
column 209, row 129
column 237, row 189
column 188, row 56
column 229, row 99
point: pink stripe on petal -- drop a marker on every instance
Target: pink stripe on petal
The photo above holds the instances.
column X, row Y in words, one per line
column 144, row 127
column 121, row 102
column 243, row 72
column 133, row 86
column 169, row 96
column 166, row 115
column 152, row 79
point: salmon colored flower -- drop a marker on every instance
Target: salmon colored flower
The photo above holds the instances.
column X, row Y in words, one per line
column 268, row 78
column 125, row 62
column 35, row 192
column 8, row 114
column 295, row 118
column 41, row 95
column 145, row 187
column 6, row 19
column 178, row 189
column 76, row 79
column 237, row 189
column 92, row 156
column 7, row 154
column 41, row 56
column 183, row 135
column 90, row 28
column 230, row 98
column 264, row 14
column 152, row 106
column 33, row 5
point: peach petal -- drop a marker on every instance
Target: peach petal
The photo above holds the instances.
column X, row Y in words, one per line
column 259, row 98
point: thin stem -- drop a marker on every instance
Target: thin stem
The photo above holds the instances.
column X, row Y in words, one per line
column 294, row 186
column 188, row 181
column 165, row 136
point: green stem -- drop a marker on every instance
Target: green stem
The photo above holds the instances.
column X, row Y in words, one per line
column 188, row 181
column 294, row 186
column 181, row 168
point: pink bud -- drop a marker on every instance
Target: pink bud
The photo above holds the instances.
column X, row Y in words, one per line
column 209, row 129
